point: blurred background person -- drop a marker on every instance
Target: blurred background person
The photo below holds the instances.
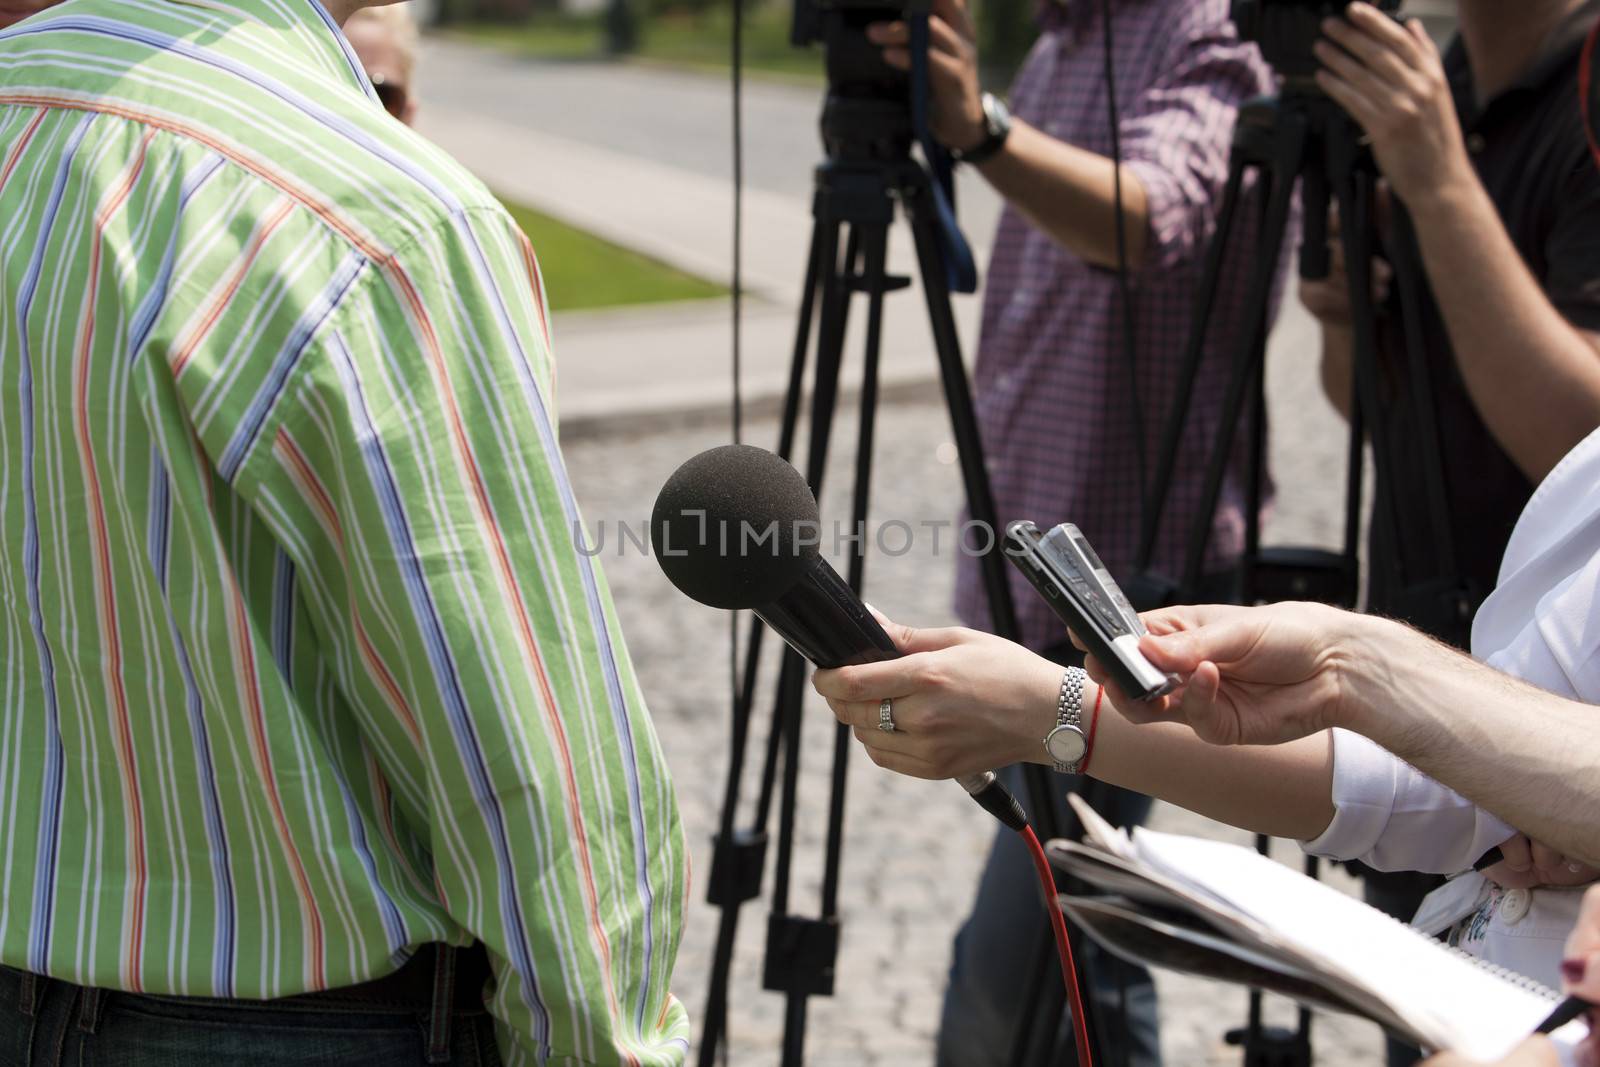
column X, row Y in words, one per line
column 385, row 40
column 1052, row 342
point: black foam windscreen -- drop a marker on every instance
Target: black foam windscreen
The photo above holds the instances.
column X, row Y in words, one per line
column 734, row 527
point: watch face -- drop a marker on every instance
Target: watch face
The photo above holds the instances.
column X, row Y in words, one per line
column 996, row 118
column 1066, row 744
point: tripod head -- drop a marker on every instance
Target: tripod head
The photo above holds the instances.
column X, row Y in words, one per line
column 872, row 113
column 866, row 114
column 1332, row 149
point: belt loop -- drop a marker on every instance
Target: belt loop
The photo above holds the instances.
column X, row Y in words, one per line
column 32, row 992
column 444, row 1000
column 89, row 1009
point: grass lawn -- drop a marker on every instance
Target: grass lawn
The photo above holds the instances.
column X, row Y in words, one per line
column 583, row 271
column 695, row 40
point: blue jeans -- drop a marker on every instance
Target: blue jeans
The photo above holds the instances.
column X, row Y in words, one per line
column 50, row 1023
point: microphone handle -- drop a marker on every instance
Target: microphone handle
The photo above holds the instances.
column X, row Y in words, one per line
column 995, row 799
column 824, row 620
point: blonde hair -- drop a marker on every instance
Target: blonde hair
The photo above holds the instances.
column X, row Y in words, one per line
column 402, row 26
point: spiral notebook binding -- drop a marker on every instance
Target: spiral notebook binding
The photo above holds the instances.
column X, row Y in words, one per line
column 1516, row 978
column 1505, row 974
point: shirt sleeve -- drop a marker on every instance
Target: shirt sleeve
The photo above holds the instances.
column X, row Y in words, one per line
column 412, row 471
column 1557, row 647
column 1177, row 132
column 1392, row 817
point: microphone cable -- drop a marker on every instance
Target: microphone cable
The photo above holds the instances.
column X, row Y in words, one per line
column 736, row 71
column 1058, row 927
column 997, row 800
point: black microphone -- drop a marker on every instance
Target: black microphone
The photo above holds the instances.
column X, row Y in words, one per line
column 736, row 527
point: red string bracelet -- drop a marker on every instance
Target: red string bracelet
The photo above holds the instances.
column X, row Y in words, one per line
column 1094, row 723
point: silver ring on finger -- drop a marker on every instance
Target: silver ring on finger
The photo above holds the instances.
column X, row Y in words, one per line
column 886, row 716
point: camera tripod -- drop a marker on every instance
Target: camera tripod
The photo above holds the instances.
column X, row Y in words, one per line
column 1300, row 137
column 868, row 170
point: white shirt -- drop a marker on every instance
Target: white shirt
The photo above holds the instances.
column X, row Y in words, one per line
column 1541, row 624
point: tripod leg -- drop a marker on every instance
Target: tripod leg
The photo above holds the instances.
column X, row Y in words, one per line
column 1189, row 370
column 789, row 692
column 958, row 398
column 1352, row 190
column 1290, row 150
column 724, row 860
column 830, row 342
column 830, row 337
column 802, row 333
column 874, row 242
column 1255, row 466
column 1407, row 261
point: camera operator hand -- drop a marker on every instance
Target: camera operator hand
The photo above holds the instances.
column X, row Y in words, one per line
column 1391, row 80
column 957, row 118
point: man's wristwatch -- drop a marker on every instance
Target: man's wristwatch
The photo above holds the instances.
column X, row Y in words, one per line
column 1066, row 744
column 996, row 127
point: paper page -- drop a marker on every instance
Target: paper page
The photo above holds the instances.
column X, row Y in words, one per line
column 1455, row 1003
column 1102, row 834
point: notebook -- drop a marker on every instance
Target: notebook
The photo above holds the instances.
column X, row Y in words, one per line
column 1226, row 912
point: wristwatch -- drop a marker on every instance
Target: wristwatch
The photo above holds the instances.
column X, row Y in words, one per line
column 996, row 127
column 1066, row 744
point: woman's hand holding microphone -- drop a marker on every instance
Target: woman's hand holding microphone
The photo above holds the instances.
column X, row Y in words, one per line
column 962, row 702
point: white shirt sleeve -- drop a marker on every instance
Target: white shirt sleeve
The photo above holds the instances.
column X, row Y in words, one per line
column 1542, row 624
column 1392, row 817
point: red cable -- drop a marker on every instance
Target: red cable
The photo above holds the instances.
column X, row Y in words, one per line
column 1058, row 926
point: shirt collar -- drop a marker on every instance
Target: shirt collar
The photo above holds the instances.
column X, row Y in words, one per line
column 1560, row 45
column 304, row 20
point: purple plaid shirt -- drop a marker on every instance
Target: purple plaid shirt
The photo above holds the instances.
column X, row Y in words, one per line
column 1051, row 387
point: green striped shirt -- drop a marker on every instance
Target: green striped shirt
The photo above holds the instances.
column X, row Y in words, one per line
column 299, row 667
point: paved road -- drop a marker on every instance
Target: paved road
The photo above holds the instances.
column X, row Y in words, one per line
column 654, row 114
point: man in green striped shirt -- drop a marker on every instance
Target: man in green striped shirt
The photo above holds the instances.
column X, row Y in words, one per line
column 301, row 675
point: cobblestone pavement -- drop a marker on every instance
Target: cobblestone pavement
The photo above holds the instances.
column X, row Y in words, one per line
column 913, row 849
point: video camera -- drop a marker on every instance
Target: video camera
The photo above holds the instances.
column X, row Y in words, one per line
column 1285, row 30
column 867, row 112
column 854, row 65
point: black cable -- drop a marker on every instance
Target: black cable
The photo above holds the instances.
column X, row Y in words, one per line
column 736, row 67
column 741, row 708
column 1124, row 290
